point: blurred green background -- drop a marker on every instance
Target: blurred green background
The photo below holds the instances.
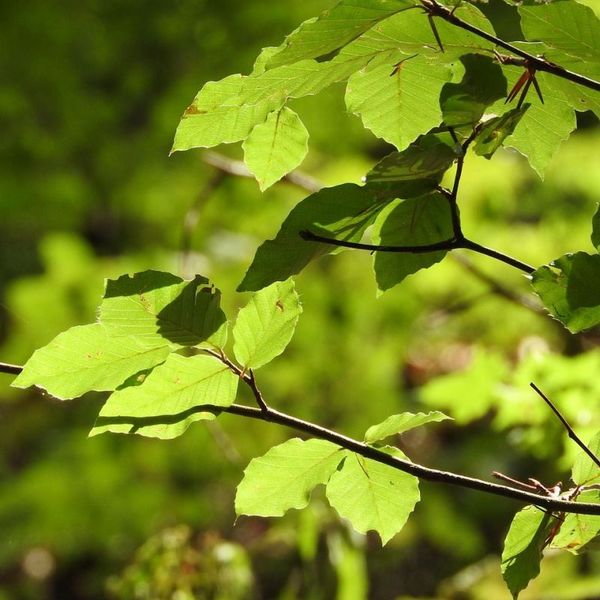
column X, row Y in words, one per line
column 92, row 93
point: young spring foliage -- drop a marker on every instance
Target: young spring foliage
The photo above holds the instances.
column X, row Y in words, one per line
column 435, row 84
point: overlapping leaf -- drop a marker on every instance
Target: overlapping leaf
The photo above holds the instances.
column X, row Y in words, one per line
column 577, row 531
column 173, row 395
column 343, row 212
column 465, row 102
column 523, row 547
column 335, row 28
column 492, row 134
column 396, row 424
column 160, row 307
column 373, row 496
column 400, row 103
column 266, row 324
column 86, row 358
column 275, row 147
column 585, row 470
column 285, row 476
column 417, row 169
column 570, row 289
column 413, row 222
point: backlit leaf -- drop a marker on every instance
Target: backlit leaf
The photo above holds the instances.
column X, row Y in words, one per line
column 399, row 103
column 396, row 424
column 585, row 470
column 285, row 476
column 276, row 147
column 155, row 306
column 265, row 326
column 373, row 496
column 570, row 289
column 523, row 547
column 578, row 530
column 86, row 358
column 493, row 133
column 174, row 395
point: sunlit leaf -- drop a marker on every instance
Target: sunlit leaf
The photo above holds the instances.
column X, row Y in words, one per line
column 335, row 28
column 172, row 396
column 342, row 212
column 396, row 424
column 585, row 470
column 570, row 289
column 86, row 358
column 464, row 103
column 578, row 530
column 414, row 222
column 566, row 26
column 265, row 326
column 399, row 103
column 544, row 126
column 285, row 476
column 523, row 547
column 373, row 496
column 276, row 147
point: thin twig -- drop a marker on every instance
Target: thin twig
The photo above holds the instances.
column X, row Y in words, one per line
column 271, row 415
column 540, row 64
column 566, row 425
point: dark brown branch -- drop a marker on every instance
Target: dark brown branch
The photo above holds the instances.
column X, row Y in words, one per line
column 271, row 415
column 450, row 244
column 10, row 369
column 435, row 9
column 566, row 425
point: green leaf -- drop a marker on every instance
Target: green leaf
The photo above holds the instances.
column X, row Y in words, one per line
column 343, row 211
column 578, row 530
column 265, row 326
column 543, row 127
column 493, row 133
column 373, row 496
column 172, row 396
column 160, row 307
column 566, row 26
column 216, row 116
column 585, row 470
column 483, row 82
column 346, row 21
column 285, row 476
column 416, row 170
column 400, row 423
column 570, row 289
column 414, row 222
column 596, row 229
column 523, row 548
column 398, row 103
column 276, row 147
column 410, row 33
column 86, row 358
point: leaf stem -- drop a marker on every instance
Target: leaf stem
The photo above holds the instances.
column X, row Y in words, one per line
column 10, row 369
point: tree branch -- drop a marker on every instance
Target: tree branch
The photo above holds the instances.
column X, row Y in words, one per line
column 270, row 415
column 435, row 9
column 10, row 369
column 450, row 244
